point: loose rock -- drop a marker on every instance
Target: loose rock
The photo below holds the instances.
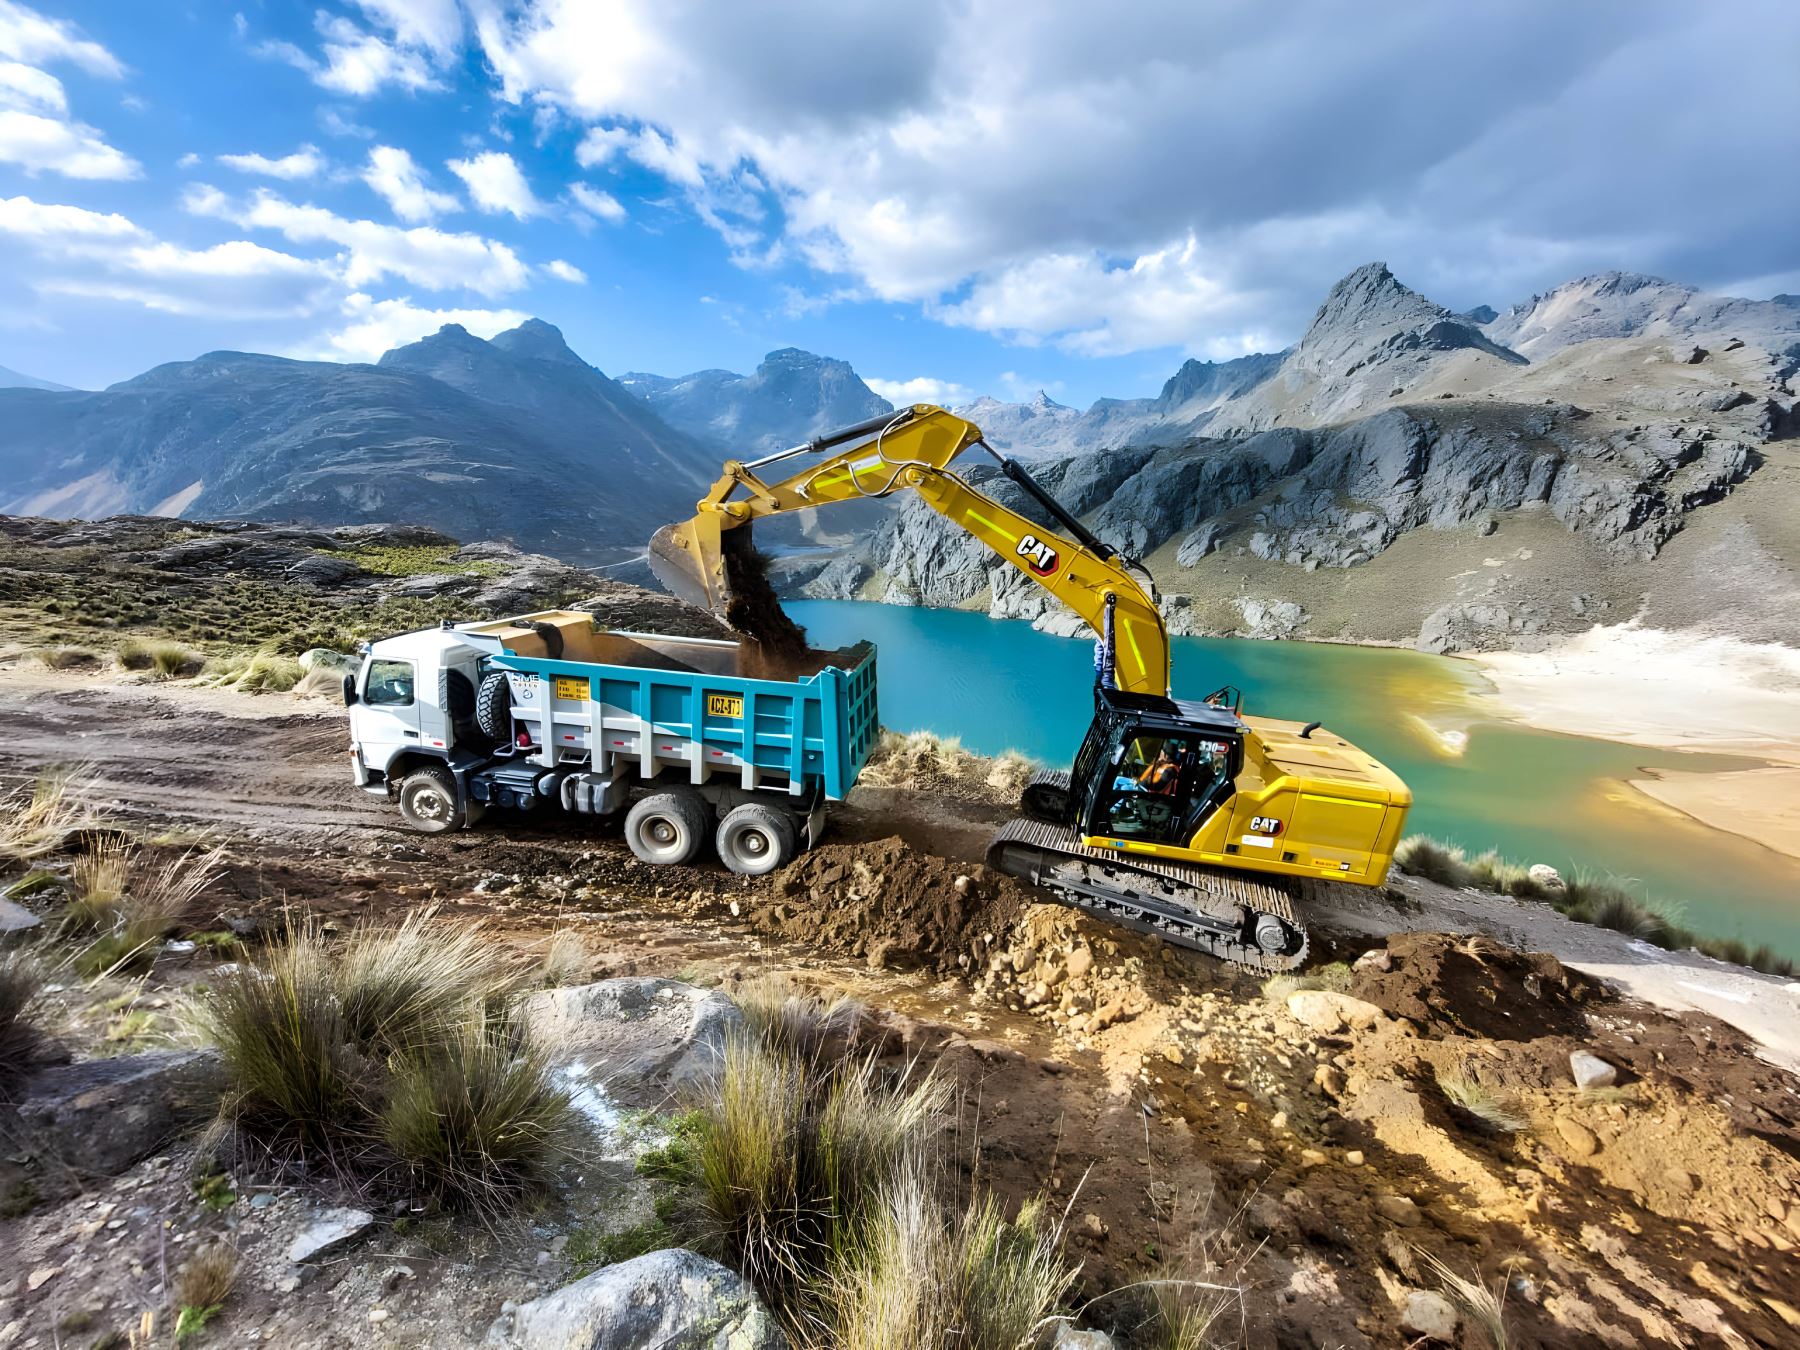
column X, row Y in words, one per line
column 1591, row 1071
column 1429, row 1315
column 333, row 1229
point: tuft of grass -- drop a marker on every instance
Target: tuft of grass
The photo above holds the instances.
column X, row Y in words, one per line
column 1191, row 1295
column 791, row 1019
column 67, row 658
column 1434, row 860
column 22, row 979
column 567, row 960
column 38, row 820
column 320, row 682
column 99, row 876
column 1494, row 1112
column 396, row 1056
column 262, row 673
column 924, row 1277
column 202, row 1286
column 475, row 1120
column 1480, row 1306
column 162, row 658
column 135, row 905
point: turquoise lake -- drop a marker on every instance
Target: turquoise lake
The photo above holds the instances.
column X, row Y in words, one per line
column 1477, row 779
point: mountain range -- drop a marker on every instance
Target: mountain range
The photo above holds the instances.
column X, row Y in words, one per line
column 1620, row 447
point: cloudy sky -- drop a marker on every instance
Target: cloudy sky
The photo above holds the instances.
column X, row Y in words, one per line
column 954, row 195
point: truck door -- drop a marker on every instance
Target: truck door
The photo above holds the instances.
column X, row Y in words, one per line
column 385, row 720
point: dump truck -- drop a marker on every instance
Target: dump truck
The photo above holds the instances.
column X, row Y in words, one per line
column 692, row 741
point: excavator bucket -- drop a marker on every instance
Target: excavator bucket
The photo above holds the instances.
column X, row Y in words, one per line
column 721, row 571
column 688, row 559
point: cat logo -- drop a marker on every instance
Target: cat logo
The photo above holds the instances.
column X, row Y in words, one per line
column 1264, row 825
column 1039, row 557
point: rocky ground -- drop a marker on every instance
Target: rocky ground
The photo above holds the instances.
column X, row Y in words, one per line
column 1417, row 1093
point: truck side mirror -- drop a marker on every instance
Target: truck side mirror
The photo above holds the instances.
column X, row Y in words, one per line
column 349, row 688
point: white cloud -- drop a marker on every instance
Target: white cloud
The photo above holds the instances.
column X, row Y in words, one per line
column 306, row 162
column 53, row 223
column 600, row 205
column 378, row 326
column 31, row 90
column 496, row 184
column 566, row 271
column 72, row 149
column 422, row 256
column 435, row 25
column 353, row 61
column 1151, row 158
column 333, row 122
column 28, row 36
column 393, row 173
column 921, row 389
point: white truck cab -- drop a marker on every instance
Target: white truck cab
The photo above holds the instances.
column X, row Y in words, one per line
column 405, row 703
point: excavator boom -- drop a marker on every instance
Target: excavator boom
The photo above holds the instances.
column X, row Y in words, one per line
column 706, row 560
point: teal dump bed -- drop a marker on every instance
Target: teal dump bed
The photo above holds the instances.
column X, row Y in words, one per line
column 675, row 704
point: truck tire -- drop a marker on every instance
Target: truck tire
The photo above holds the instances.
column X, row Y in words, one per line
column 429, row 801
column 754, row 839
column 493, row 708
column 667, row 827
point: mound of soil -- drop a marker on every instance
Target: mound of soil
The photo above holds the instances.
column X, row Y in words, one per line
column 892, row 905
column 1444, row 984
column 753, row 608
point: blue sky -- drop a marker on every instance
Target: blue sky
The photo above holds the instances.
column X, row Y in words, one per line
column 954, row 195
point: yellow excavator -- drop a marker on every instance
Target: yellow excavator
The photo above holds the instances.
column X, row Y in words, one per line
column 1183, row 819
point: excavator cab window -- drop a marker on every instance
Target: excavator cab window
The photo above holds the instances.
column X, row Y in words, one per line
column 1161, row 786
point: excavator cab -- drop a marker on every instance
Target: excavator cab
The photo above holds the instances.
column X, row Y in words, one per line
column 1151, row 770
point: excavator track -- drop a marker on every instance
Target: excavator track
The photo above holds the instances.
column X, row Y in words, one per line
column 1226, row 915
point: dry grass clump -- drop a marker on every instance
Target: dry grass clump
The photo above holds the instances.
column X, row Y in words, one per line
column 1492, row 1110
column 1193, row 1297
column 925, row 1276
column 263, row 673
column 39, row 819
column 1434, row 860
column 927, row 761
column 1334, row 976
column 820, row 1176
column 67, row 658
column 21, row 981
column 202, row 1286
column 131, row 903
column 320, row 682
column 396, row 1057
column 567, row 960
column 1480, row 1306
column 162, row 658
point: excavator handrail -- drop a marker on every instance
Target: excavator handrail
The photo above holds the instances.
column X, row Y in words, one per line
column 913, row 447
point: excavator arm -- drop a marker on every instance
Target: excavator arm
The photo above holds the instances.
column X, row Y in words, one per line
column 913, row 448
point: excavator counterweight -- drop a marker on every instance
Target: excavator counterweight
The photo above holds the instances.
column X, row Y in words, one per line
column 1182, row 819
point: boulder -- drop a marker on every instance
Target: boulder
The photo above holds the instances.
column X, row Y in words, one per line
column 392, row 536
column 1070, row 1337
column 1325, row 1012
column 331, row 1231
column 1591, row 1071
column 1198, row 544
column 1430, row 1315
column 673, row 1299
column 323, row 570
column 1543, row 874
column 642, row 1036
column 1271, row 619
column 16, row 918
column 101, row 1116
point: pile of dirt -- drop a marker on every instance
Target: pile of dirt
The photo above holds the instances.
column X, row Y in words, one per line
column 892, row 905
column 940, row 766
column 1445, row 984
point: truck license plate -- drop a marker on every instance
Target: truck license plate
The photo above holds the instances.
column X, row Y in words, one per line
column 724, row 705
column 572, row 687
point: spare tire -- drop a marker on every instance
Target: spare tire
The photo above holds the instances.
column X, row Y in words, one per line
column 493, row 707
column 553, row 639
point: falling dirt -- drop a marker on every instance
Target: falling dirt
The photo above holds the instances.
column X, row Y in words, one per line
column 753, row 608
column 891, row 905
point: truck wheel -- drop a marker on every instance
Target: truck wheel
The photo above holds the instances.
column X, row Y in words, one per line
column 755, row 839
column 667, row 827
column 493, row 708
column 429, row 801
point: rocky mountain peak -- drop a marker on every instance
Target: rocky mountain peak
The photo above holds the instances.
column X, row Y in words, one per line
column 1370, row 296
column 536, row 340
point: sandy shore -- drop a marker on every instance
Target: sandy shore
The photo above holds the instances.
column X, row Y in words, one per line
column 1674, row 691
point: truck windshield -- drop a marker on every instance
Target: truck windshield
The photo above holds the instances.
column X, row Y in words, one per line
column 390, row 684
